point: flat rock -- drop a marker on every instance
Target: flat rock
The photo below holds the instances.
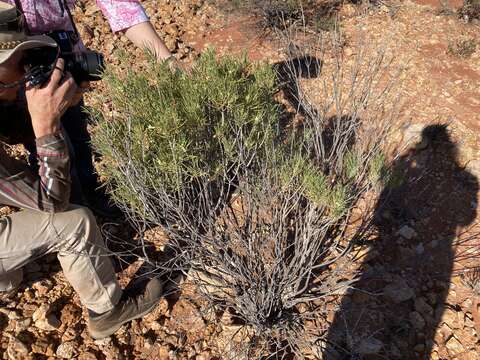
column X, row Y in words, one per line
column 454, row 346
column 407, row 232
column 398, row 291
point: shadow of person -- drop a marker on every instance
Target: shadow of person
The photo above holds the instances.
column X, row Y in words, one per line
column 396, row 307
column 290, row 72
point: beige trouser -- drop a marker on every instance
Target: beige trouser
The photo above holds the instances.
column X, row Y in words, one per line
column 74, row 234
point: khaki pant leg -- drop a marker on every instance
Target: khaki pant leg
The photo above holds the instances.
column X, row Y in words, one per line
column 74, row 234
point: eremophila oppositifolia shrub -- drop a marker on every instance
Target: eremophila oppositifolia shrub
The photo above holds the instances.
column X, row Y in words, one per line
column 255, row 213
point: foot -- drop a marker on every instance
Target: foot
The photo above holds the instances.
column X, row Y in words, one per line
column 132, row 307
column 7, row 296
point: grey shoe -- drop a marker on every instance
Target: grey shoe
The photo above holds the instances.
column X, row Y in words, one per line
column 133, row 307
column 7, row 296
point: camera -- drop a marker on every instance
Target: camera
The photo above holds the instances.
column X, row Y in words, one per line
column 84, row 66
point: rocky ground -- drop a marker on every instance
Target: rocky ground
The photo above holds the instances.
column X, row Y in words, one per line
column 410, row 302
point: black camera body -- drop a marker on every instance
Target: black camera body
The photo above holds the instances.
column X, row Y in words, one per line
column 84, row 66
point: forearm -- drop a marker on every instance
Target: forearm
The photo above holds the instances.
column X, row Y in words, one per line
column 144, row 36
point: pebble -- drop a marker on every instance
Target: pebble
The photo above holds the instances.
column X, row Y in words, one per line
column 417, row 320
column 22, row 324
column 419, row 249
column 423, row 307
column 16, row 349
column 407, row 232
column 398, row 291
column 45, row 321
column 454, row 346
column 67, row 350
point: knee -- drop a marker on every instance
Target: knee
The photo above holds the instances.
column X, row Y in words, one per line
column 80, row 224
column 83, row 217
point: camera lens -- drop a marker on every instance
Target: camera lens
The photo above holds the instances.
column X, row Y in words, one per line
column 92, row 64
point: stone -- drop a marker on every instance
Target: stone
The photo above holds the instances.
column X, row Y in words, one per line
column 419, row 249
column 398, row 291
column 41, row 312
column 41, row 346
column 42, row 287
column 50, row 323
column 423, row 307
column 22, row 324
column 13, row 315
column 44, row 320
column 450, row 317
column 67, row 350
column 407, row 232
column 16, row 349
column 454, row 346
column 445, row 331
column 417, row 320
column 188, row 318
column 370, row 346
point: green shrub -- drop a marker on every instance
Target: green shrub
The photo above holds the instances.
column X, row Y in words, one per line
column 254, row 212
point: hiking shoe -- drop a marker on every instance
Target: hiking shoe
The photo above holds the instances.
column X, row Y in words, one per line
column 132, row 307
column 9, row 295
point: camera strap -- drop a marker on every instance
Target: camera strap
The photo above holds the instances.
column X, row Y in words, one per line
column 64, row 6
column 23, row 21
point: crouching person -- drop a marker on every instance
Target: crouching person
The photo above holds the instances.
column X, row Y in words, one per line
column 47, row 222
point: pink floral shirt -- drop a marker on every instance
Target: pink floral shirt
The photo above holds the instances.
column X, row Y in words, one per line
column 48, row 15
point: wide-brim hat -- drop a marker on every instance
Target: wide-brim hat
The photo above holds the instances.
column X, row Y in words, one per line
column 13, row 38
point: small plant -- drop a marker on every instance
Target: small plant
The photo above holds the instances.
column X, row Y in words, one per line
column 445, row 9
column 282, row 14
column 463, row 48
column 471, row 279
column 470, row 10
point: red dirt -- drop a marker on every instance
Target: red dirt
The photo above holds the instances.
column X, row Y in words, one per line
column 438, row 4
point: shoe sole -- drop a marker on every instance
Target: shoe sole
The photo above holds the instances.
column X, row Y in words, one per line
column 98, row 335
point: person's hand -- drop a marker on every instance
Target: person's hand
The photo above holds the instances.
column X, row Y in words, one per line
column 47, row 104
column 174, row 65
column 83, row 88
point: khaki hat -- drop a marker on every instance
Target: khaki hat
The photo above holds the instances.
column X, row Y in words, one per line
column 13, row 38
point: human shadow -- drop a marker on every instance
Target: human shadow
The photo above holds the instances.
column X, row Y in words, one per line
column 289, row 73
column 396, row 306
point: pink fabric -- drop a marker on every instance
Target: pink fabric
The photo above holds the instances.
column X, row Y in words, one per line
column 47, row 15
